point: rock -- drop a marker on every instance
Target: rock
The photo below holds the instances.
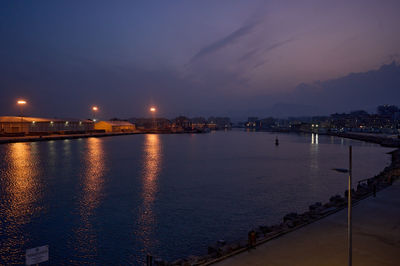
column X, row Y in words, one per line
column 265, row 229
column 221, row 242
column 290, row 216
column 235, row 246
column 315, row 206
column 290, row 224
column 159, row 262
column 178, row 262
column 224, row 250
column 212, row 249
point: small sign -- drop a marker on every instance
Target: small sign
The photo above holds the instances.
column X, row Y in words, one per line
column 37, row 255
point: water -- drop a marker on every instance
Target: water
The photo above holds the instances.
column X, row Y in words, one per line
column 113, row 200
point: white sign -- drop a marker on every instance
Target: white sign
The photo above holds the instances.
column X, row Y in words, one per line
column 37, row 255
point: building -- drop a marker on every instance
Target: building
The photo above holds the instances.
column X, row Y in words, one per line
column 161, row 124
column 42, row 126
column 114, row 126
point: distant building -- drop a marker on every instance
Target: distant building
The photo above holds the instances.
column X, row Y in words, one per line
column 198, row 123
column 115, row 126
column 252, row 122
column 181, row 123
column 38, row 125
column 219, row 123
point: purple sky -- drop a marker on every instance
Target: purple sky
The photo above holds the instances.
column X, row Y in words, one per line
column 234, row 58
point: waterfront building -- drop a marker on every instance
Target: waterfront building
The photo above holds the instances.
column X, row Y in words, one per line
column 115, row 126
column 181, row 123
column 42, row 126
column 145, row 124
column 198, row 123
column 219, row 123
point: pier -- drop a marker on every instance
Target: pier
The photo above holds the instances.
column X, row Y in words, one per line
column 376, row 238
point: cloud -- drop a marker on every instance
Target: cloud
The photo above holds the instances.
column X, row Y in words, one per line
column 277, row 45
column 256, row 52
column 224, row 42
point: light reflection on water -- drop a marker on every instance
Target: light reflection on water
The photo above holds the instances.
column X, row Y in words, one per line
column 22, row 191
column 152, row 161
column 93, row 179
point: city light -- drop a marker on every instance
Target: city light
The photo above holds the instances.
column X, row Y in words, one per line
column 21, row 102
column 152, row 109
column 95, row 108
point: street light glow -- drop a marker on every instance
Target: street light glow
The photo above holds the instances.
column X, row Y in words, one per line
column 152, row 109
column 95, row 108
column 21, row 102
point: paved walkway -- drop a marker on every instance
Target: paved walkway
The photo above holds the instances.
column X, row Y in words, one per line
column 376, row 238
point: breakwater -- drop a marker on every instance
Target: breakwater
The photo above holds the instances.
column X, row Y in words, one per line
column 293, row 221
column 373, row 138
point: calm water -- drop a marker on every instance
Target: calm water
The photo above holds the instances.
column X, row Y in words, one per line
column 113, row 200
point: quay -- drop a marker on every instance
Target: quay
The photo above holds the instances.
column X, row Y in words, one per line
column 14, row 139
column 376, row 238
column 4, row 140
column 319, row 236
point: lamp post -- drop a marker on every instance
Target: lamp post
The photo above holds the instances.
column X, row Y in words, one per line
column 349, row 220
column 153, row 111
column 94, row 109
column 21, row 104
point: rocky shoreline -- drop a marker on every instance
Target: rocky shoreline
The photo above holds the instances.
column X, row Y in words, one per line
column 293, row 221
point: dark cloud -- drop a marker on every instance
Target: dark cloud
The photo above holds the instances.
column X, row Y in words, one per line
column 224, row 42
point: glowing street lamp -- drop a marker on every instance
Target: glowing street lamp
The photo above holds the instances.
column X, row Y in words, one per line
column 94, row 109
column 153, row 111
column 21, row 104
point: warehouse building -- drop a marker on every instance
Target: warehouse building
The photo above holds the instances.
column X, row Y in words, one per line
column 115, row 126
column 38, row 126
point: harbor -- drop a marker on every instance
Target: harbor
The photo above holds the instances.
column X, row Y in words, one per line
column 151, row 183
column 318, row 236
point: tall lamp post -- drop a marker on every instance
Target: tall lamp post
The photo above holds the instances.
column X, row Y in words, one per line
column 349, row 220
column 153, row 112
column 21, row 104
column 94, row 109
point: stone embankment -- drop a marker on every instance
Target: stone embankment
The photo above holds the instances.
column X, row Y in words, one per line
column 292, row 221
column 374, row 138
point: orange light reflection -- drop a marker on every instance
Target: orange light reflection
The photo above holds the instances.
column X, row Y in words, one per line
column 23, row 189
column 91, row 197
column 151, row 169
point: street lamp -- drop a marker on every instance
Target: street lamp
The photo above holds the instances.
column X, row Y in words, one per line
column 153, row 111
column 94, row 109
column 349, row 220
column 21, row 104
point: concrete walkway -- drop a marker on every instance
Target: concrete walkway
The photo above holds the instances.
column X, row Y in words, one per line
column 376, row 238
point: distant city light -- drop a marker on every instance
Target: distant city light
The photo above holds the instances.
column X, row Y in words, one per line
column 21, row 102
column 95, row 108
column 152, row 109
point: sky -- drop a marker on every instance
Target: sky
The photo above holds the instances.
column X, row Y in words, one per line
column 194, row 58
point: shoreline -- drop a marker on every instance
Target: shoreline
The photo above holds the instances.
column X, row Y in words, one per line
column 293, row 221
column 6, row 140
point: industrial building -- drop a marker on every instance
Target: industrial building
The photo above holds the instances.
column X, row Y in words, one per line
column 38, row 126
column 114, row 126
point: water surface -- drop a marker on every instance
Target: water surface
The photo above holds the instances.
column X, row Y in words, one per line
column 114, row 200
